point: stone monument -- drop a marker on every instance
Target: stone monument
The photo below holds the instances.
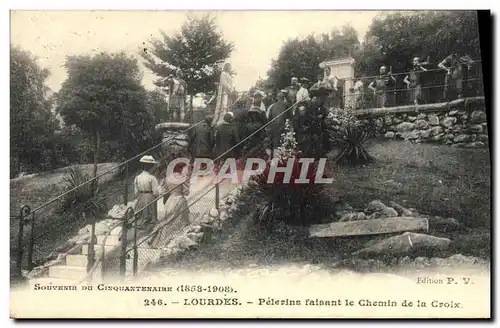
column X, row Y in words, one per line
column 343, row 69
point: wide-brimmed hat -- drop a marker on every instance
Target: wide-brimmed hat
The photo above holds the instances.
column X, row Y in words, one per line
column 148, row 160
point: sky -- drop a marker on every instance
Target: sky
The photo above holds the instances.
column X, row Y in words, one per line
column 257, row 35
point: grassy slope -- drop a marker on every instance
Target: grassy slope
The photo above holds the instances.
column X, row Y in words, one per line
column 434, row 179
column 51, row 228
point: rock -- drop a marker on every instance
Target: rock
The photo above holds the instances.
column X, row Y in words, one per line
column 482, row 137
column 476, row 144
column 412, row 118
column 421, row 116
column 436, row 130
column 402, row 211
column 433, row 119
column 415, row 134
column 452, row 112
column 405, row 127
column 389, row 135
column 369, row 227
column 182, row 242
column 388, row 120
column 476, row 128
column 425, row 134
column 459, row 145
column 437, row 223
column 342, row 207
column 462, row 259
column 381, row 209
column 461, row 138
column 356, row 216
column 224, row 216
column 207, row 219
column 397, row 120
column 405, row 243
column 448, row 121
column 477, row 117
column 449, row 136
column 195, row 236
column 195, row 228
column 421, row 124
column 214, row 213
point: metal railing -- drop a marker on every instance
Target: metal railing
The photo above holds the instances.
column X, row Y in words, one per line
column 112, row 263
column 38, row 218
column 27, row 216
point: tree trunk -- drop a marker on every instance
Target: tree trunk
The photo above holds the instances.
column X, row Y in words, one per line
column 191, row 110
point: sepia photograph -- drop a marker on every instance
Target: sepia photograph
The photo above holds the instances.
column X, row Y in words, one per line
column 250, row 164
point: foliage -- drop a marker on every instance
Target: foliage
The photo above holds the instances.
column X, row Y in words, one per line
column 196, row 50
column 301, row 58
column 104, row 98
column 32, row 124
column 288, row 144
column 287, row 201
column 89, row 199
column 394, row 39
column 157, row 105
column 351, row 135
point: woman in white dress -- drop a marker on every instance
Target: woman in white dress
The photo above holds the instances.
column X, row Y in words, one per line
column 176, row 189
column 146, row 188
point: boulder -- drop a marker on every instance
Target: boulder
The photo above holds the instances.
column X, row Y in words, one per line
column 452, row 112
column 461, row 138
column 425, row 134
column 405, row 127
column 436, row 130
column 433, row 119
column 477, row 117
column 412, row 118
column 421, row 116
column 402, row 211
column 380, row 210
column 389, row 135
column 476, row 144
column 421, row 124
column 482, row 137
column 404, row 244
column 356, row 216
column 448, row 121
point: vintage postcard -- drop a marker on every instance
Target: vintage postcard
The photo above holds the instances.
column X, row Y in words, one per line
column 249, row 164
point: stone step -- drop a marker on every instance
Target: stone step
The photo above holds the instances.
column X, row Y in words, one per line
column 98, row 249
column 51, row 281
column 369, row 227
column 111, row 240
column 67, row 272
column 76, row 260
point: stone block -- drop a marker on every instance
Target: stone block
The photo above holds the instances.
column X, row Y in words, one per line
column 369, row 227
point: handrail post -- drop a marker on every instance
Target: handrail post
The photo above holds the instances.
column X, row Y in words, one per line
column 123, row 255
column 125, row 196
column 31, row 264
column 25, row 210
column 136, row 253
column 217, row 191
column 91, row 252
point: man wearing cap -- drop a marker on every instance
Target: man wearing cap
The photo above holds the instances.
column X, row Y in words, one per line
column 147, row 189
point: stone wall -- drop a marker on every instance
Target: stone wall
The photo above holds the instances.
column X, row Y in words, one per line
column 460, row 123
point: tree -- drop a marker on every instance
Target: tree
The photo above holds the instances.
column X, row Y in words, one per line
column 157, row 105
column 196, row 50
column 301, row 58
column 31, row 122
column 394, row 39
column 104, row 97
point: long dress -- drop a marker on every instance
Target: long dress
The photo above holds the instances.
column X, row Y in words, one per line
column 223, row 90
column 176, row 211
column 147, row 189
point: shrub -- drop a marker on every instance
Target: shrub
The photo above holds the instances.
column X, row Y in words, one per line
column 294, row 204
column 88, row 198
column 350, row 135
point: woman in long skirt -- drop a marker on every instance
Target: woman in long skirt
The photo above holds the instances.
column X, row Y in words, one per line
column 176, row 187
column 146, row 188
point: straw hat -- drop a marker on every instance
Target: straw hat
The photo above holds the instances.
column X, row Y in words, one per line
column 147, row 159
